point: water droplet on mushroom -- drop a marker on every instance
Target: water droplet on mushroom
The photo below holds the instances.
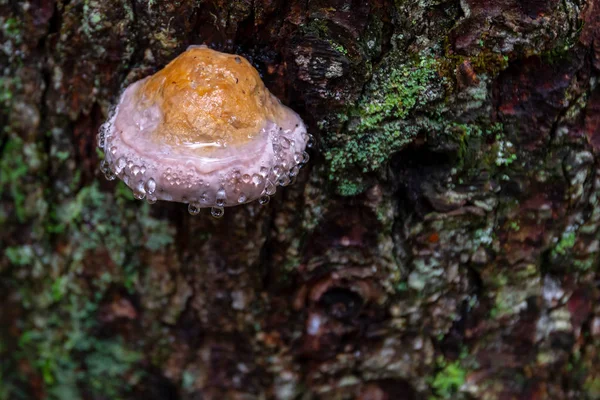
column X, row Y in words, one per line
column 150, row 186
column 194, row 208
column 305, row 157
column 257, row 179
column 204, row 197
column 294, row 171
column 238, row 60
column 270, row 188
column 120, row 166
column 217, row 212
column 135, row 170
column 246, row 178
column 311, row 141
column 221, row 197
column 103, row 166
column 101, row 140
column 264, row 199
column 284, row 180
column 113, row 150
column 242, row 198
column 151, row 199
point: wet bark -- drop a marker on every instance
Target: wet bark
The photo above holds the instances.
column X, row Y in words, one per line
column 442, row 243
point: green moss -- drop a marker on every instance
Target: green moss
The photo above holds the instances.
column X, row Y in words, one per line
column 102, row 237
column 338, row 47
column 11, row 28
column 485, row 62
column 13, row 169
column 6, row 90
column 592, row 387
column 567, row 241
column 447, row 382
column 350, row 188
column 394, row 93
column 514, row 226
column 19, row 255
column 375, row 126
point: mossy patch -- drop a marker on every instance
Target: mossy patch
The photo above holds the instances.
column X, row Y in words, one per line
column 376, row 126
column 448, row 380
column 100, row 238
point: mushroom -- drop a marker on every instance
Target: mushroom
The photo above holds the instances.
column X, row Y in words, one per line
column 203, row 131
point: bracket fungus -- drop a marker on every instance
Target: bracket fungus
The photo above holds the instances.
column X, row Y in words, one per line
column 203, row 131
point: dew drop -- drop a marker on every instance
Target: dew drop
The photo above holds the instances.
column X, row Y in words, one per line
column 305, row 157
column 298, row 158
column 217, row 212
column 277, row 170
column 135, row 170
column 311, row 141
column 270, row 188
column 284, row 180
column 238, row 60
column 285, row 142
column 151, row 199
column 143, row 169
column 264, row 199
column 264, row 171
column 242, row 198
column 194, row 208
column 246, row 178
column 294, row 171
column 221, row 197
column 150, row 186
column 104, row 166
column 101, row 141
column 121, row 163
column 113, row 150
column 204, row 197
column 257, row 179
column 139, row 195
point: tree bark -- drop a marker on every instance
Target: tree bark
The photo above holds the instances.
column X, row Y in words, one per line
column 442, row 243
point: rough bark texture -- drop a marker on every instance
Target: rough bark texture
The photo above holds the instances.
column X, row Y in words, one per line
column 442, row 244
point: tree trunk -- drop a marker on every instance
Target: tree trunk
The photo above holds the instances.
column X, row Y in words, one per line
column 442, row 243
